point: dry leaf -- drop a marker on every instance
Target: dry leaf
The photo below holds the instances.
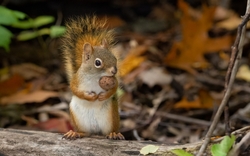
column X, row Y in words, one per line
column 130, row 77
column 132, row 60
column 24, row 97
column 29, row 120
column 204, row 100
column 113, row 21
column 129, row 123
column 189, row 52
column 11, row 85
column 149, row 149
column 56, row 110
column 231, row 23
column 222, row 13
column 48, row 108
column 244, row 73
column 28, row 70
column 155, row 75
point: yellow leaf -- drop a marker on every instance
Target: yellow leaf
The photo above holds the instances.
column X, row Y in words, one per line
column 149, row 149
column 132, row 60
column 204, row 100
column 244, row 73
column 24, row 97
column 231, row 23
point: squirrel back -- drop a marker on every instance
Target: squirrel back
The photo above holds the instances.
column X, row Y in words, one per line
column 79, row 31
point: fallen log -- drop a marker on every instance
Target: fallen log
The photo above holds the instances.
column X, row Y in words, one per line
column 31, row 143
column 25, row 142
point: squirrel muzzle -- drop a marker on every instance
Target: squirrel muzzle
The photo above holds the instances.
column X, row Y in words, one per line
column 113, row 70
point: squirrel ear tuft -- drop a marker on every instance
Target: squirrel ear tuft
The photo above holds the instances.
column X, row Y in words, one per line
column 104, row 43
column 87, row 51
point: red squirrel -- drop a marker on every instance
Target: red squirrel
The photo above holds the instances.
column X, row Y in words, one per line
column 91, row 68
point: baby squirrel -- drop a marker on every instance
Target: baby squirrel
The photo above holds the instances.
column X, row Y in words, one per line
column 90, row 65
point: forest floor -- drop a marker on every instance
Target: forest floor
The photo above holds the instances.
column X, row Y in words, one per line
column 173, row 62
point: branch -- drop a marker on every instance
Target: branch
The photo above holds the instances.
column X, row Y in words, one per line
column 231, row 73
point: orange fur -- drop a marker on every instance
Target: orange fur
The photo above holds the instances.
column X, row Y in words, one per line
column 92, row 109
column 115, row 118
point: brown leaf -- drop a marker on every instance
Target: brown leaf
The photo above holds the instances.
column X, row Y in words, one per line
column 204, row 100
column 189, row 52
column 113, row 21
column 132, row 60
column 11, row 85
column 28, row 70
column 26, row 97
column 29, row 120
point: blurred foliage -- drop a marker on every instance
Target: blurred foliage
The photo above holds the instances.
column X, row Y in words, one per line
column 223, row 147
column 20, row 20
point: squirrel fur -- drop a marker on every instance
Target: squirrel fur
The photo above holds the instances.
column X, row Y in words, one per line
column 87, row 51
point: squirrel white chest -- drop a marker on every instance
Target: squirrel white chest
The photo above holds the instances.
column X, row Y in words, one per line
column 92, row 117
column 92, row 83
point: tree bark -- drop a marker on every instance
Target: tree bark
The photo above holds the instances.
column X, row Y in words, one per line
column 31, row 143
column 25, row 142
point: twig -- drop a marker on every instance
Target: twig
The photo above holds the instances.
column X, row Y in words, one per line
column 235, row 48
column 184, row 119
column 235, row 52
column 228, row 129
column 232, row 69
column 237, row 133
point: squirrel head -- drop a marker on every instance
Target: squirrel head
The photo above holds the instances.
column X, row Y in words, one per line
column 99, row 60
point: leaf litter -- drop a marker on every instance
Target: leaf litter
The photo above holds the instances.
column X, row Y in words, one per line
column 171, row 79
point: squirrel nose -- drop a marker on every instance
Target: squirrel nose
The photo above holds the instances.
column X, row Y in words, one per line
column 113, row 70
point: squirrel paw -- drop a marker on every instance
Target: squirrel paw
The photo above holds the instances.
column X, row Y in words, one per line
column 71, row 135
column 115, row 136
column 103, row 96
column 90, row 96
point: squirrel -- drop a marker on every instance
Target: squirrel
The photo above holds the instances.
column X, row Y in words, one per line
column 90, row 64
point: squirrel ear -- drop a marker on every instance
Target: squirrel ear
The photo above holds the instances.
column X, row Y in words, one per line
column 87, row 51
column 104, row 43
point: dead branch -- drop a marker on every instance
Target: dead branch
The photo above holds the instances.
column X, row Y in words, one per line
column 231, row 73
column 185, row 119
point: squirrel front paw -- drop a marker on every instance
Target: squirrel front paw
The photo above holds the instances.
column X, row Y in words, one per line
column 103, row 96
column 90, row 96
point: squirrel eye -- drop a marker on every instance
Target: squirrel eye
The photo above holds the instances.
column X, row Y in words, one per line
column 98, row 63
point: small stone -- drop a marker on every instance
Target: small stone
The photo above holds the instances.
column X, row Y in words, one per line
column 107, row 82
